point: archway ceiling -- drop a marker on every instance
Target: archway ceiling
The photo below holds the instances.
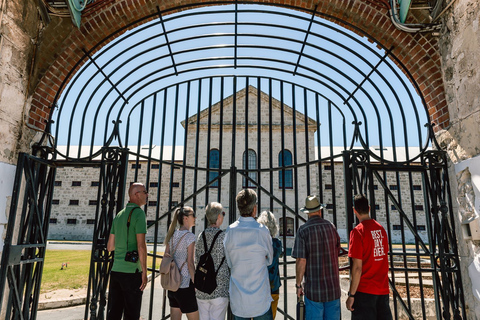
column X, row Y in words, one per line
column 361, row 80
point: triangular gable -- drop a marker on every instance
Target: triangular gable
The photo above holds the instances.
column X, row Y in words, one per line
column 240, row 99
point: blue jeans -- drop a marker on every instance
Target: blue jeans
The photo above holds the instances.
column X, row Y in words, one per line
column 322, row 310
column 267, row 316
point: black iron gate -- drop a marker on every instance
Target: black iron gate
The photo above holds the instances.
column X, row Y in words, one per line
column 421, row 211
column 26, row 237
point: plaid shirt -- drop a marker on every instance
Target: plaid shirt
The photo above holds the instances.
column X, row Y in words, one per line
column 318, row 242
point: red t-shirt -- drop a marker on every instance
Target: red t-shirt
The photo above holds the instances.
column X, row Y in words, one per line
column 369, row 243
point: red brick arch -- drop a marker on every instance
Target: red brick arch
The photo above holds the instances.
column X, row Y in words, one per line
column 62, row 46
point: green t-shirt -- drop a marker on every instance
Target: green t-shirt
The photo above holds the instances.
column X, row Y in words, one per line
column 138, row 224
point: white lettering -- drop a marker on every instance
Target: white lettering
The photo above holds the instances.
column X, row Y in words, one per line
column 378, row 250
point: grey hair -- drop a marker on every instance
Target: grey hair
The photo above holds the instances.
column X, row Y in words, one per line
column 268, row 220
column 246, row 202
column 212, row 211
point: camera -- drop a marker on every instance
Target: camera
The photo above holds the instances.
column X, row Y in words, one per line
column 131, row 256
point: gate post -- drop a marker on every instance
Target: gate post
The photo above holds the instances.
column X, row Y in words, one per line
column 26, row 237
column 232, row 214
column 447, row 263
column 347, row 177
column 111, row 193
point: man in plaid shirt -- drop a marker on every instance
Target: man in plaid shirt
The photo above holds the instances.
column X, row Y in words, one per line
column 316, row 250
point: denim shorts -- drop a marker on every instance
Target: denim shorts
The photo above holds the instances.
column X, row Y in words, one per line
column 322, row 310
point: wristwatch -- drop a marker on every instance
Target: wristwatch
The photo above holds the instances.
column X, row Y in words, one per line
column 350, row 295
column 298, row 286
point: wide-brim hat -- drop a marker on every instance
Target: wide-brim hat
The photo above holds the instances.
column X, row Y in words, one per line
column 312, row 204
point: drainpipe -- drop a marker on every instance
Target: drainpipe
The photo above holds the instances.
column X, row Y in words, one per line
column 410, row 28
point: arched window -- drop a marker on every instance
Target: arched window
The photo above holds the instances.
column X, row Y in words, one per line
column 285, row 159
column 290, row 227
column 250, row 163
column 213, row 163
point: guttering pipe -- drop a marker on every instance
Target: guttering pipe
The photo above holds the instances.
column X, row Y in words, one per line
column 411, row 28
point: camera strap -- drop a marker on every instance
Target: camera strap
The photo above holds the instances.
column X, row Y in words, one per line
column 128, row 222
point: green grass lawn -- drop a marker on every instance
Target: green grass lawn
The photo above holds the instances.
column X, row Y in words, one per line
column 75, row 275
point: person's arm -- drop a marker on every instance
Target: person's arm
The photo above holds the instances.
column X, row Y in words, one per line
column 198, row 248
column 268, row 241
column 190, row 260
column 355, row 275
column 225, row 249
column 300, row 265
column 111, row 243
column 142, row 255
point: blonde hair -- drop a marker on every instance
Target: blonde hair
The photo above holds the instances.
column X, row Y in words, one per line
column 177, row 217
column 268, row 220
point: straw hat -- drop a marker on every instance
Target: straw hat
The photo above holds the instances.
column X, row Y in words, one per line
column 312, row 204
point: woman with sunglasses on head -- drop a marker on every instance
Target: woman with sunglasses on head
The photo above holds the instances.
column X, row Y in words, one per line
column 213, row 306
column 182, row 243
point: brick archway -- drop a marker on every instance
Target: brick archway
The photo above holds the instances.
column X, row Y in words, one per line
column 62, row 46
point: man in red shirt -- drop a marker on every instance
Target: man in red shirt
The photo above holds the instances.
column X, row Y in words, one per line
column 368, row 294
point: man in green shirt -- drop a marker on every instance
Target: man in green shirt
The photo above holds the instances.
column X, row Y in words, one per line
column 129, row 272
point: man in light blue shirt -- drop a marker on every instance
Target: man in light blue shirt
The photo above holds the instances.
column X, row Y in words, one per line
column 248, row 251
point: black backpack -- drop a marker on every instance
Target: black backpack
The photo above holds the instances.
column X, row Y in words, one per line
column 205, row 274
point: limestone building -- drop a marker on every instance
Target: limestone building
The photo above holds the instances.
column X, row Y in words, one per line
column 75, row 200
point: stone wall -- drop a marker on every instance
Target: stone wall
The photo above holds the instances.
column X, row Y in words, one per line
column 460, row 51
column 74, row 220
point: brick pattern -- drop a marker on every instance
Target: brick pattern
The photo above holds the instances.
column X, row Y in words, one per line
column 62, row 46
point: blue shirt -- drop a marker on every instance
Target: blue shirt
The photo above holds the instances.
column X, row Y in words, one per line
column 248, row 252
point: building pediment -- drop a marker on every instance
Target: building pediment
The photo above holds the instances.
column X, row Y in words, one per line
column 246, row 102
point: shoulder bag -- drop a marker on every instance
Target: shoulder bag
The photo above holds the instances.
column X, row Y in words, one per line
column 170, row 275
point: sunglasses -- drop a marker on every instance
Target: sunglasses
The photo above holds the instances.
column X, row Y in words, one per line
column 144, row 191
column 223, row 213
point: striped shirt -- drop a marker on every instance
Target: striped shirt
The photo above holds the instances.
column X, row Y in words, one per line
column 318, row 242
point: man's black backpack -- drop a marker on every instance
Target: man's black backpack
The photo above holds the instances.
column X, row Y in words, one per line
column 205, row 274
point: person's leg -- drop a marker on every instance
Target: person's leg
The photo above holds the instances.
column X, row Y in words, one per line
column 193, row 315
column 204, row 309
column 275, row 297
column 364, row 307
column 131, row 283
column 332, row 310
column 266, row 316
column 218, row 309
column 115, row 298
column 383, row 308
column 175, row 313
column 313, row 310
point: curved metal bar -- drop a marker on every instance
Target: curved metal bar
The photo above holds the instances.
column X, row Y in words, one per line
column 309, row 73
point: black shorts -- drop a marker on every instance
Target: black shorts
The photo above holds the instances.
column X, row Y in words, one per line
column 184, row 298
column 371, row 307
